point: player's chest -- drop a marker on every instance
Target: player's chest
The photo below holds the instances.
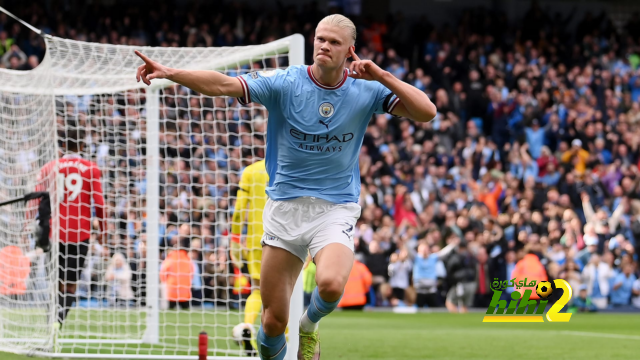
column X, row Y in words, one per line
column 314, row 110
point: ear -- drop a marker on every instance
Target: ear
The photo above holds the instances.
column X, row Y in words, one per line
column 352, row 47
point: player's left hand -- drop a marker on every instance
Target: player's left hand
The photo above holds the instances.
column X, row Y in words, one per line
column 364, row 69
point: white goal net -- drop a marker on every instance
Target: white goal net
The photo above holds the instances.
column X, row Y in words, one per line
column 170, row 161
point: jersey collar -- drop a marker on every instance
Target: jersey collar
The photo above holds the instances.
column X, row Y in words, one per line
column 335, row 87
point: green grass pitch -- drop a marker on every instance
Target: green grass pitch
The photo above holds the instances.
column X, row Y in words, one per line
column 367, row 335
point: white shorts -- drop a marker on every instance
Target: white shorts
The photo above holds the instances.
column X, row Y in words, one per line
column 308, row 224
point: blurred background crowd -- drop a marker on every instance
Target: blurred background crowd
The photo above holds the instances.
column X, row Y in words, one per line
column 531, row 163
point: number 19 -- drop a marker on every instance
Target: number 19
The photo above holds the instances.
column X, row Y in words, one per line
column 71, row 183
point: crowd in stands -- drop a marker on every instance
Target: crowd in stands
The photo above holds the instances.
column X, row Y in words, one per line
column 531, row 163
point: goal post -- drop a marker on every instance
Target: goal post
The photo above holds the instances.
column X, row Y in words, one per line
column 169, row 157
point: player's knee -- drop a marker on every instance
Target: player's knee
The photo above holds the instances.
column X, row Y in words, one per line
column 273, row 323
column 330, row 289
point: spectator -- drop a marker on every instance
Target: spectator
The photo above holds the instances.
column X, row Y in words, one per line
column 176, row 274
column 535, row 138
column 590, row 239
column 218, row 277
column 484, row 194
column 635, row 300
column 576, row 156
column 355, row 292
column 462, row 273
column 621, row 288
column 425, row 273
column 483, row 293
column 5, row 42
column 118, row 277
column 510, row 265
column 399, row 269
column 195, row 254
column 545, row 158
column 530, row 267
column 596, row 275
column 475, row 169
column 138, row 264
column 581, row 302
column 404, row 213
column 377, row 261
column 571, row 274
column 14, row 58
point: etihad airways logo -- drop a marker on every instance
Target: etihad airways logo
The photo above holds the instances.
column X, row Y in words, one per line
column 321, row 142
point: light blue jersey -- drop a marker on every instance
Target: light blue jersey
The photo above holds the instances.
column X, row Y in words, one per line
column 315, row 132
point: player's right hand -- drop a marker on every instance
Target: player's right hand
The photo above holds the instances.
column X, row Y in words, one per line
column 150, row 70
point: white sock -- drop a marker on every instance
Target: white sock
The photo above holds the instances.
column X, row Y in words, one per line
column 307, row 325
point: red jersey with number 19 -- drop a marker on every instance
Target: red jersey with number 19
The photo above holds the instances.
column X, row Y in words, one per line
column 76, row 184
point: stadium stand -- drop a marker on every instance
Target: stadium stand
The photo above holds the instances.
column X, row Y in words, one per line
column 535, row 148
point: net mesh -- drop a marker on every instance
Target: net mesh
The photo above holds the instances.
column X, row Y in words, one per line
column 204, row 144
column 26, row 279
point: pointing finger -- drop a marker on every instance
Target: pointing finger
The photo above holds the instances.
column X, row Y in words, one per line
column 143, row 57
column 353, row 54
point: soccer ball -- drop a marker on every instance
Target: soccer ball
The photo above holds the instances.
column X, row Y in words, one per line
column 239, row 333
column 544, row 289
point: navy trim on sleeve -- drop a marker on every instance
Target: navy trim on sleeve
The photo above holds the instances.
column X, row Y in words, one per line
column 385, row 104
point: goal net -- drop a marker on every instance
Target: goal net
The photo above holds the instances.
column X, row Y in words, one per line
column 170, row 160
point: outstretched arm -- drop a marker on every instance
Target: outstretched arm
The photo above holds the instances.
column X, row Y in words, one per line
column 414, row 104
column 614, row 220
column 211, row 83
column 446, row 250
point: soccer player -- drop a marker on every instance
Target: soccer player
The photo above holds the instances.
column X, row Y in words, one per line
column 252, row 197
column 77, row 183
column 318, row 116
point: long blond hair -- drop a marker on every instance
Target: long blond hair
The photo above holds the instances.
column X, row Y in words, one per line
column 342, row 22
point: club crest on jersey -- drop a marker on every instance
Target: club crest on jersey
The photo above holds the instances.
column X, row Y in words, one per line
column 326, row 109
column 254, row 75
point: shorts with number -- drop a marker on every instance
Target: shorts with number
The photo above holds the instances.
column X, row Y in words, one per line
column 308, row 224
column 71, row 259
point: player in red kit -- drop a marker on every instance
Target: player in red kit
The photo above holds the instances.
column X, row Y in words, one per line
column 77, row 184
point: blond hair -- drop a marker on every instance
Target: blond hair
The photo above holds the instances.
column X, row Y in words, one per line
column 342, row 22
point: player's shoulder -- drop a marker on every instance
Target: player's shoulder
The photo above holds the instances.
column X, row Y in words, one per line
column 48, row 167
column 89, row 163
column 293, row 71
column 275, row 74
column 254, row 168
column 365, row 85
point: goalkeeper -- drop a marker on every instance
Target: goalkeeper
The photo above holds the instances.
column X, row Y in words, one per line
column 251, row 199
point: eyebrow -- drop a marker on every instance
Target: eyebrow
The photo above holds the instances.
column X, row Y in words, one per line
column 328, row 38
